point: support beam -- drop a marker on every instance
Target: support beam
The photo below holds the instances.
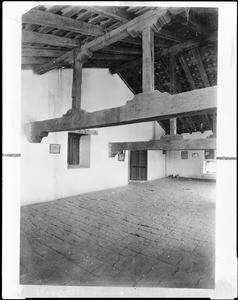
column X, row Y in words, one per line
column 214, row 124
column 111, row 37
column 199, row 62
column 168, row 145
column 142, row 108
column 173, row 126
column 40, row 38
column 148, row 60
column 48, row 19
column 77, row 85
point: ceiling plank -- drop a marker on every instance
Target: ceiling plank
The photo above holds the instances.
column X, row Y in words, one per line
column 169, row 145
column 109, row 38
column 199, row 62
column 186, row 70
column 112, row 12
column 142, row 108
column 49, row 19
column 35, row 37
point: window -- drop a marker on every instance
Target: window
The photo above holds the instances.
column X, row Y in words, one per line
column 78, row 150
column 209, row 167
column 73, row 149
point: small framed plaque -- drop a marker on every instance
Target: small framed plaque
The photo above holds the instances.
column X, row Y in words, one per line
column 184, row 154
column 194, row 154
column 55, row 148
column 121, row 156
column 209, row 154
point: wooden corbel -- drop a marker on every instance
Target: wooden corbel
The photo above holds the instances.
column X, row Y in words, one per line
column 155, row 22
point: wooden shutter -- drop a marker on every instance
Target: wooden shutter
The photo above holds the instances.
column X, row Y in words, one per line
column 73, row 148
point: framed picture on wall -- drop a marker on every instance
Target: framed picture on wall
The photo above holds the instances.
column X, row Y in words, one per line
column 55, row 148
column 121, row 156
column 184, row 154
column 209, row 154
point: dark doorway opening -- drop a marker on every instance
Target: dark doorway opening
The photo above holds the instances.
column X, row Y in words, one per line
column 138, row 165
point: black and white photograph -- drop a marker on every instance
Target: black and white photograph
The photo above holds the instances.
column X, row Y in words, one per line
column 119, row 149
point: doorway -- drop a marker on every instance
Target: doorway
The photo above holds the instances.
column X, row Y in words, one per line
column 138, row 165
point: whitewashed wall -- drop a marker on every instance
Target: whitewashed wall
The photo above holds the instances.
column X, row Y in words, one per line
column 45, row 176
column 191, row 167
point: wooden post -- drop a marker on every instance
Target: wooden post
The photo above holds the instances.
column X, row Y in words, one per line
column 148, row 60
column 173, row 121
column 77, row 84
column 214, row 124
column 173, row 126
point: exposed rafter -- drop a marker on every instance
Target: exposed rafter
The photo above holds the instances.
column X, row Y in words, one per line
column 40, row 38
column 112, row 37
column 49, row 19
column 41, row 52
column 199, row 62
column 112, row 12
column 186, row 70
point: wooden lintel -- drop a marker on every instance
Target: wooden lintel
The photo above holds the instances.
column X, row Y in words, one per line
column 143, row 107
column 163, row 144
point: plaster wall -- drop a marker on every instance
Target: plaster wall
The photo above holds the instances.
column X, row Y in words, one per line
column 191, row 167
column 46, row 176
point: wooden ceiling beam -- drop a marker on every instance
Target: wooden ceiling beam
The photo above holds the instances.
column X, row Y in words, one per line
column 109, row 38
column 122, row 50
column 29, row 60
column 163, row 144
column 41, row 52
column 199, row 62
column 103, row 56
column 144, row 107
column 35, row 37
column 48, row 19
column 169, row 35
column 112, row 12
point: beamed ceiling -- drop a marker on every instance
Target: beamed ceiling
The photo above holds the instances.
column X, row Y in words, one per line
column 49, row 32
